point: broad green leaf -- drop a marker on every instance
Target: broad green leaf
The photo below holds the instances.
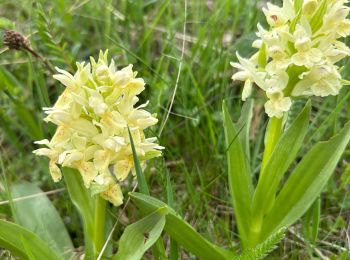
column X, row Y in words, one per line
column 84, row 203
column 40, row 216
column 239, row 178
column 281, row 158
column 306, row 182
column 140, row 236
column 181, row 231
column 24, row 243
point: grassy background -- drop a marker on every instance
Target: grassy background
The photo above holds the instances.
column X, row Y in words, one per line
column 149, row 34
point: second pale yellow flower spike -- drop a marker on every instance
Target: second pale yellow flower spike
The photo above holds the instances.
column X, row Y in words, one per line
column 298, row 54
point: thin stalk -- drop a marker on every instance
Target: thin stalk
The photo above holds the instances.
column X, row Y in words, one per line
column 99, row 225
column 272, row 135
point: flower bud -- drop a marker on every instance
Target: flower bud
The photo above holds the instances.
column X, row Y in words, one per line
column 309, row 7
column 14, row 40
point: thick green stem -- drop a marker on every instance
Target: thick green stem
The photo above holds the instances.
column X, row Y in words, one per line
column 99, row 225
column 272, row 135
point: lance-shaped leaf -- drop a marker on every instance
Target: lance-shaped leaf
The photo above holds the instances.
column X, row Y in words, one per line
column 24, row 243
column 239, row 178
column 281, row 158
column 40, row 216
column 140, row 236
column 306, row 182
column 140, row 177
column 181, row 231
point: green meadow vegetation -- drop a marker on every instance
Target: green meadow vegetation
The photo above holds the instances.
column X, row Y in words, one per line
column 182, row 50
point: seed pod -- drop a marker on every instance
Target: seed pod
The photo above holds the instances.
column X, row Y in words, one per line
column 15, row 40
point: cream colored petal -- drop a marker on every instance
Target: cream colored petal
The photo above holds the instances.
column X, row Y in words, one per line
column 84, row 127
column 42, row 142
column 309, row 7
column 113, row 195
column 65, row 80
column 55, row 171
column 271, row 110
column 240, row 75
column 79, row 142
column 88, row 172
column 71, row 158
column 285, row 104
column 61, row 137
column 101, row 160
column 302, row 88
column 122, row 169
column 90, row 151
column 247, row 89
column 43, row 152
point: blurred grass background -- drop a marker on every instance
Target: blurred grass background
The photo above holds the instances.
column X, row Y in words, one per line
column 149, row 34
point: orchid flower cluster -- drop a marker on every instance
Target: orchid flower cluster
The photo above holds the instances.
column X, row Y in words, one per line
column 298, row 55
column 93, row 116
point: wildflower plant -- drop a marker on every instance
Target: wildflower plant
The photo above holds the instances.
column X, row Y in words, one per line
column 99, row 131
column 298, row 56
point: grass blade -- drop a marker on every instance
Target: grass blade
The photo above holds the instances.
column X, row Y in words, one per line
column 140, row 177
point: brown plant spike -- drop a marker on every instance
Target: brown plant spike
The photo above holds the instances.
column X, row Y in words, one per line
column 15, row 40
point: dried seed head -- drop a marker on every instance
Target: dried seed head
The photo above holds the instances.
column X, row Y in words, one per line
column 15, row 40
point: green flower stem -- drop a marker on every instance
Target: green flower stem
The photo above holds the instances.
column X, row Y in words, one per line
column 99, row 225
column 272, row 135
